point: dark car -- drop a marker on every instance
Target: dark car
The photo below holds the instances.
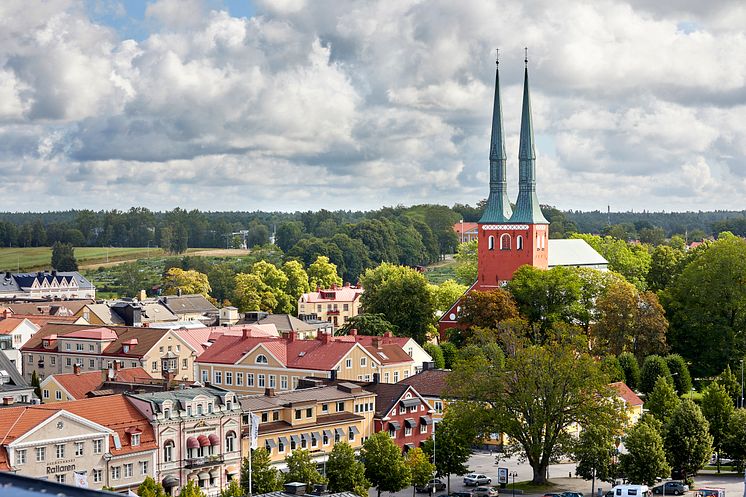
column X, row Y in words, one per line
column 571, row 494
column 460, row 494
column 552, row 495
column 433, row 485
column 671, row 488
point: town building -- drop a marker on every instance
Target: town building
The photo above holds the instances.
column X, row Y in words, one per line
column 45, row 285
column 198, row 432
column 103, row 442
column 401, row 412
column 632, row 402
column 408, row 344
column 313, row 419
column 284, row 323
column 249, row 363
column 13, row 388
column 126, row 313
column 431, row 384
column 14, row 333
column 79, row 384
column 56, row 308
column 466, row 231
column 192, row 307
column 57, row 348
column 335, row 305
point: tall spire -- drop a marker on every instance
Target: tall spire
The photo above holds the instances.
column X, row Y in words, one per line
column 527, row 209
column 498, row 208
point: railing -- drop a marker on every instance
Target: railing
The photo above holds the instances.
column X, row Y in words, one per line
column 198, row 462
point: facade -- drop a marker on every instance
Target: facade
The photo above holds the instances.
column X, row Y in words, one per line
column 248, row 363
column 431, row 385
column 57, row 348
column 466, row 232
column 314, row 419
column 78, row 385
column 403, row 413
column 104, row 441
column 335, row 305
column 197, row 431
column 632, row 402
column 14, row 333
column 126, row 313
column 46, row 285
column 409, row 345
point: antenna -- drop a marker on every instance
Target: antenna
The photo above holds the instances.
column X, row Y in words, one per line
column 525, row 56
column 497, row 56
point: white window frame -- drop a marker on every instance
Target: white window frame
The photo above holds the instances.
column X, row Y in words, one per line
column 98, row 446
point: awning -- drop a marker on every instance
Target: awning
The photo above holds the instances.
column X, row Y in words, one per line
column 414, row 402
column 394, row 425
column 411, row 423
column 213, row 438
column 170, row 482
column 204, row 475
column 295, row 438
column 408, row 446
column 339, row 431
column 354, row 430
column 193, row 476
column 426, row 420
column 306, row 437
column 328, row 433
column 203, row 441
column 271, row 442
column 192, row 443
column 283, row 441
column 214, row 473
column 316, row 435
column 232, row 470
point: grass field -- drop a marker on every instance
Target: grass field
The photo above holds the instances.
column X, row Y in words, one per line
column 35, row 258
column 440, row 271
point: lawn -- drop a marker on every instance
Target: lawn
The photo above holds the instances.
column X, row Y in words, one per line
column 529, row 488
column 440, row 271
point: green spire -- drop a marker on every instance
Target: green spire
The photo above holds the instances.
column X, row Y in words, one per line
column 497, row 209
column 527, row 209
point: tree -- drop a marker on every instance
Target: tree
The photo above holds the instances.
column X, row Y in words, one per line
column 688, row 440
column 177, row 281
column 384, row 465
column 645, row 460
column 450, row 354
column 663, row 401
column 466, row 262
column 36, row 383
column 420, row 468
column 401, row 295
column 631, row 368
column 629, row 260
column 297, row 280
column 367, row 324
column 610, row 365
column 664, row 266
column 653, row 367
column 288, row 234
column 487, row 309
column 258, row 234
column 323, row 274
column 345, row 473
column 680, row 373
column 717, row 407
column 540, row 393
column 731, row 384
column 355, row 255
column 265, row 478
column 150, row 488
column 264, row 289
column 222, row 279
column 302, row 468
column 232, row 490
column 436, row 353
column 446, row 294
column 452, row 443
column 63, row 257
column 191, row 489
column 594, row 455
column 735, row 441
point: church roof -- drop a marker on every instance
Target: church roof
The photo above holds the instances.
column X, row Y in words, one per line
column 573, row 252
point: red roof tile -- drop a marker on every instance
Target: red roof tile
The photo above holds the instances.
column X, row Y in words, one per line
column 627, row 394
column 7, row 325
column 94, row 334
column 79, row 385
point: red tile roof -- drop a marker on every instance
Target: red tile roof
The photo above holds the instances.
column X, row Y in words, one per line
column 42, row 320
column 7, row 325
column 627, row 394
column 94, row 334
column 79, row 385
column 14, row 422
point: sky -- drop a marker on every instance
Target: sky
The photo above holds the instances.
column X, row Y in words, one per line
column 308, row 104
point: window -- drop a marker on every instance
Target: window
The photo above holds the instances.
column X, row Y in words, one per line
column 154, row 366
column 98, row 446
column 261, row 359
column 41, row 454
column 128, row 470
column 205, row 376
column 78, row 449
column 168, row 451
column 363, row 362
column 439, row 406
column 45, row 393
column 505, row 241
column 239, row 379
column 228, row 378
column 275, row 415
column 67, row 346
column 209, row 407
column 351, row 434
column 406, row 373
column 135, row 439
column 184, row 363
column 396, row 376
column 68, row 361
column 283, row 382
column 423, row 428
column 91, row 348
column 51, row 358
column 133, row 364
column 402, row 410
column 21, row 456
column 143, row 467
column 265, row 417
column 272, row 381
column 280, row 446
column 79, row 347
column 249, row 379
column 346, row 307
column 314, row 441
column 91, row 363
column 261, row 380
column 337, row 437
column 60, row 451
column 297, row 414
column 519, row 242
column 199, row 409
column 348, row 363
column 97, row 475
column 491, row 243
column 309, row 412
column 325, row 438
column 407, row 431
column 30, row 358
column 218, row 377
column 303, row 442
column 189, row 410
column 230, row 441
column 59, row 478
column 116, row 472
column 324, row 407
column 340, row 406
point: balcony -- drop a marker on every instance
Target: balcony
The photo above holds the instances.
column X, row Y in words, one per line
column 333, row 312
column 199, row 462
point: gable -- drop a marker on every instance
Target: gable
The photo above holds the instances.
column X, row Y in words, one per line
column 250, row 358
column 61, row 425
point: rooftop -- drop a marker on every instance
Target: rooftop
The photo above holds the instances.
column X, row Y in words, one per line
column 573, row 252
column 81, row 384
column 329, row 393
column 430, row 382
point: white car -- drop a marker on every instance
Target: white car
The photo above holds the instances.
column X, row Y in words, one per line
column 474, row 479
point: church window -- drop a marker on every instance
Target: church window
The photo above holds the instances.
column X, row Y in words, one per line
column 519, row 242
column 491, row 243
column 505, row 242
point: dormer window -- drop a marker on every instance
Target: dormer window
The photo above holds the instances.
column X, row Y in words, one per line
column 135, row 439
column 126, row 349
column 261, row 359
column 199, row 409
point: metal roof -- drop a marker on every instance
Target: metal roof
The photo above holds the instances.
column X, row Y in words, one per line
column 573, row 252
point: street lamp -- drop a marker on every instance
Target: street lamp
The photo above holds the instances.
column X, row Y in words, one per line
column 513, row 474
column 741, row 383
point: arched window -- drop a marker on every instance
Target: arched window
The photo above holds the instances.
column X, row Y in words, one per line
column 261, row 359
column 491, row 243
column 230, row 441
column 505, row 242
column 519, row 242
column 168, row 451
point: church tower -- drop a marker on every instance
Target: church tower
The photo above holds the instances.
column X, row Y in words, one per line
column 509, row 239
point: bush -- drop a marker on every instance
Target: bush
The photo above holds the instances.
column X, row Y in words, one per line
column 653, row 368
column 682, row 380
column 631, row 369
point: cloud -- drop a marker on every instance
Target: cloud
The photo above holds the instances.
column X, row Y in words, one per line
column 358, row 104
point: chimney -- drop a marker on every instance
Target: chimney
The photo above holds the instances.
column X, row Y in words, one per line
column 353, row 332
column 76, row 369
column 269, row 392
column 295, row 488
column 333, row 375
column 388, row 334
column 376, row 378
column 325, row 337
column 7, row 313
column 377, row 343
column 292, row 336
column 246, row 333
column 427, row 365
column 8, row 401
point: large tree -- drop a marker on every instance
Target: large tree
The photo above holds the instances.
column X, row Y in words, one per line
column 451, row 445
column 630, row 260
column 540, row 393
column 367, row 324
column 662, row 402
column 445, row 294
column 594, row 455
column 487, row 309
column 645, row 459
column 630, row 366
column 150, row 488
column 385, row 467
column 345, row 472
column 264, row 477
column 680, row 373
column 466, row 262
column 735, row 442
column 63, row 257
column 653, row 368
column 302, row 468
column 718, row 408
column 688, row 440
column 176, row 281
column 420, row 468
column 323, row 274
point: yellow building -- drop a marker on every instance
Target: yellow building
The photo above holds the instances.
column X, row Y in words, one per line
column 336, row 305
column 313, row 419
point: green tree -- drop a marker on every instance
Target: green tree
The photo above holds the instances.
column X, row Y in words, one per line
column 420, row 468
column 665, row 264
column 436, row 353
column 288, row 234
column 265, row 478
column 680, row 373
column 63, row 257
column 296, row 283
column 452, row 443
column 631, row 368
column 302, row 468
column 222, row 279
column 645, row 460
column 401, row 295
column 36, row 383
column 355, row 255
column 688, row 440
column 594, row 455
column 191, row 489
column 446, row 294
column 150, row 488
column 729, row 381
column 718, row 408
column 662, row 402
column 385, row 467
column 345, row 473
column 367, row 324
column 487, row 309
column 450, row 354
column 264, row 289
column 610, row 365
column 232, row 490
column 466, row 262
column 735, row 441
column 653, row 368
column 176, row 281
column 258, row 234
column 629, row 260
column 323, row 274
column 540, row 393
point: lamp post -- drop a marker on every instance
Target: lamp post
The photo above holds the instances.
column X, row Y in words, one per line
column 741, row 383
column 513, row 474
column 462, row 231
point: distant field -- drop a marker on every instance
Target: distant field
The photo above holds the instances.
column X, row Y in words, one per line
column 34, row 258
column 440, row 271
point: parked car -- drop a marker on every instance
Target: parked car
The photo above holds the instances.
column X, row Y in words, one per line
column 460, row 494
column 484, row 492
column 571, row 494
column 474, row 479
column 553, row 495
column 671, row 488
column 435, row 485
